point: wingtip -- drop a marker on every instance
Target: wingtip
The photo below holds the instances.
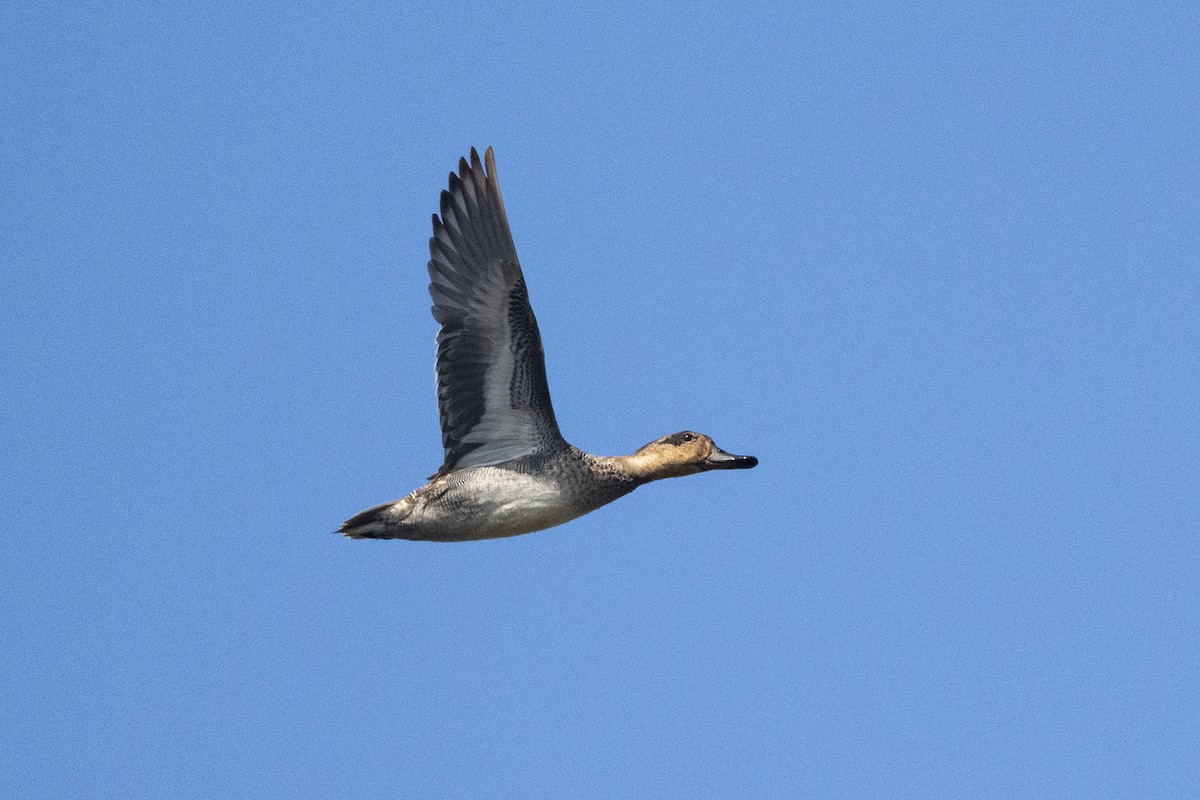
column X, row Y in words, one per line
column 476, row 164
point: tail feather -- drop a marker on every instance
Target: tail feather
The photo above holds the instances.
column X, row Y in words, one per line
column 377, row 522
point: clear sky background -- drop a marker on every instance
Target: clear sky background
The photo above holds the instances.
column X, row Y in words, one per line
column 935, row 266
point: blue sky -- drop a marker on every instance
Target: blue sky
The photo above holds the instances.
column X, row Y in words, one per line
column 935, row 266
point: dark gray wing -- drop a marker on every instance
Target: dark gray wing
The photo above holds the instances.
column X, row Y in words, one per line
column 491, row 373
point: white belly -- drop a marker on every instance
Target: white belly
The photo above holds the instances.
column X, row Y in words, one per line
column 530, row 506
column 492, row 503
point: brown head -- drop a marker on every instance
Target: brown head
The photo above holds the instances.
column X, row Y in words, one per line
column 683, row 453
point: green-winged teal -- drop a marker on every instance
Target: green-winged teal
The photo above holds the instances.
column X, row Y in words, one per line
column 508, row 470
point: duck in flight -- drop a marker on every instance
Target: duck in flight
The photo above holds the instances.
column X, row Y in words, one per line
column 508, row 470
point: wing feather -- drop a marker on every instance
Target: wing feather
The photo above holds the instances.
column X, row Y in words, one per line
column 493, row 396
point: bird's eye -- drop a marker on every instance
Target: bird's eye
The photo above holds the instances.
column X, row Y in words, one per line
column 687, row 437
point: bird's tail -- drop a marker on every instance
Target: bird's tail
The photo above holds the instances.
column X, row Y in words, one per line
column 378, row 522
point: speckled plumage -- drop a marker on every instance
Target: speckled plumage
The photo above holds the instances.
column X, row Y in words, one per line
column 507, row 469
column 518, row 496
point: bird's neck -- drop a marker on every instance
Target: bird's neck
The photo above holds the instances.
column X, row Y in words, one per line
column 639, row 467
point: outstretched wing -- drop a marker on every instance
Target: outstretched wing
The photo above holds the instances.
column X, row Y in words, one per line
column 491, row 373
